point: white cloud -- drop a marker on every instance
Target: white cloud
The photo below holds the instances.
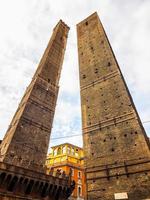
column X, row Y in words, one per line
column 25, row 28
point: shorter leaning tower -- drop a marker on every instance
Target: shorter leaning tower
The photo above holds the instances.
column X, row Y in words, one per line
column 117, row 150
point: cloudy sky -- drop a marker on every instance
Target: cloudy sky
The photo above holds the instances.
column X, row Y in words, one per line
column 25, row 28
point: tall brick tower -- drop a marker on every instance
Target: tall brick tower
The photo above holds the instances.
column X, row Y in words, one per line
column 24, row 147
column 26, row 141
column 117, row 154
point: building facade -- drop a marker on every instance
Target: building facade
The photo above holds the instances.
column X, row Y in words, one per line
column 24, row 148
column 65, row 157
column 116, row 147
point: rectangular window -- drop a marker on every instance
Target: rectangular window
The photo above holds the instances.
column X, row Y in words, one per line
column 79, row 174
column 72, row 172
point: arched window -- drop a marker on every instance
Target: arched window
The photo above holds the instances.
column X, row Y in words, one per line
column 79, row 191
column 55, row 152
column 68, row 150
column 59, row 151
column 72, row 151
column 64, row 150
column 77, row 153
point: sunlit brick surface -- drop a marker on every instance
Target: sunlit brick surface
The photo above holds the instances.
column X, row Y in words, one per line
column 117, row 155
column 26, row 141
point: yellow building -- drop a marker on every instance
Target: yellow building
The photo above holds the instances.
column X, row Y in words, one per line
column 64, row 157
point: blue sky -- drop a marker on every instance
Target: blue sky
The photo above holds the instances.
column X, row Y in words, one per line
column 25, row 28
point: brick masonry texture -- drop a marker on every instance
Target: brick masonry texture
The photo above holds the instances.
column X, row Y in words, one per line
column 26, row 141
column 117, row 150
column 24, row 147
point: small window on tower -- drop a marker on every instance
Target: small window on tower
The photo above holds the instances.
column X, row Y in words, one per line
column 84, row 76
column 92, row 48
column 109, row 64
column 96, row 71
column 86, row 23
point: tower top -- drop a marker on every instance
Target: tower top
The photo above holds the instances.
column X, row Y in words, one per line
column 61, row 22
column 88, row 18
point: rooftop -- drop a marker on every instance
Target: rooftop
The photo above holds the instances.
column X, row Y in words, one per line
column 63, row 144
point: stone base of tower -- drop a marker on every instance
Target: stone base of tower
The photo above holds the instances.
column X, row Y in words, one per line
column 121, row 181
column 18, row 183
column 142, row 192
